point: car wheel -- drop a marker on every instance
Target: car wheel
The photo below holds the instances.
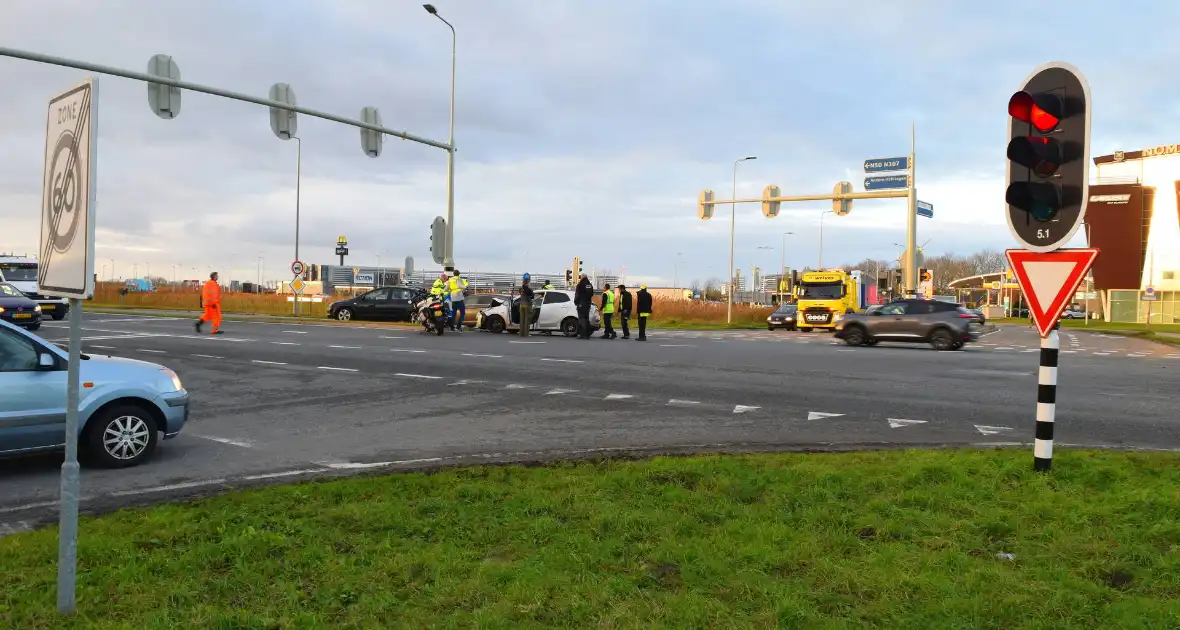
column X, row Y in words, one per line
column 57, row 317
column 804, row 329
column 871, row 342
column 958, row 345
column 569, row 327
column 33, row 327
column 344, row 314
column 119, row 437
column 770, row 328
column 854, row 336
column 942, row 340
column 496, row 324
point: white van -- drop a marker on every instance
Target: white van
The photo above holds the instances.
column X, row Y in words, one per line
column 21, row 272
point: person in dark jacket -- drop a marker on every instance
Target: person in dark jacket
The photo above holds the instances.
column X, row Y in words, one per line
column 526, row 306
column 583, row 297
column 643, row 307
column 624, row 309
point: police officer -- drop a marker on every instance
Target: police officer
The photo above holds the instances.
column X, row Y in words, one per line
column 583, row 298
column 624, row 309
column 457, row 287
column 608, row 311
column 548, row 286
column 643, row 304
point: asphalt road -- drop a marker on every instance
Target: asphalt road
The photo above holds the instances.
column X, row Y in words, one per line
column 282, row 401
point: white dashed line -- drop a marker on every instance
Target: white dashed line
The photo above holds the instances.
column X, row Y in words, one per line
column 1101, row 354
column 27, row 506
column 744, row 408
column 336, row 369
column 516, row 386
column 284, row 343
column 406, row 350
column 676, row 345
column 104, row 347
column 346, row 347
column 286, row 473
column 175, row 486
column 526, row 342
column 618, row 396
column 486, row 356
column 389, row 337
column 564, row 360
column 677, row 401
column 207, row 356
column 221, row 440
column 1004, row 348
column 416, row 375
column 558, row 391
column 260, row 361
column 296, row 332
column 151, row 351
column 466, row 382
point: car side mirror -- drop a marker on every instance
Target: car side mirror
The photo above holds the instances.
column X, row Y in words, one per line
column 875, row 313
column 45, row 361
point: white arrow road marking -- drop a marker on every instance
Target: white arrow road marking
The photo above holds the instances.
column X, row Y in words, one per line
column 618, row 396
column 819, row 415
column 744, row 408
column 555, row 392
column 986, row 430
column 677, row 401
column 895, row 423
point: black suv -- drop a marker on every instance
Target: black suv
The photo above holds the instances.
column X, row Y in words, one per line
column 943, row 325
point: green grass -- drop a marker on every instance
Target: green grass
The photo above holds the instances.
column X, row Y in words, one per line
column 903, row 539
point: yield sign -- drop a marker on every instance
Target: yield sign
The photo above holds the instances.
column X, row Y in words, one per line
column 1049, row 279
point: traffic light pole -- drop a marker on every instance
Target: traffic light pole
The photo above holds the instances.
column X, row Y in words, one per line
column 911, row 227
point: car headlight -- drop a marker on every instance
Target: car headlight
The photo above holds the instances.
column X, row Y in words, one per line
column 37, row 308
column 837, row 317
column 175, row 378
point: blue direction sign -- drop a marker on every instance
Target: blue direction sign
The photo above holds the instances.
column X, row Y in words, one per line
column 885, row 165
column 925, row 209
column 882, row 182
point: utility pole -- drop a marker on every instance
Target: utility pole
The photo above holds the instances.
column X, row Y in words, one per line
column 732, row 213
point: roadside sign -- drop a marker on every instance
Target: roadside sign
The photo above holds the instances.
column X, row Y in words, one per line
column 1049, row 279
column 363, row 278
column 884, row 182
column 885, row 165
column 66, row 264
column 297, row 286
column 1149, row 295
column 996, row 285
column 925, row 209
column 297, row 268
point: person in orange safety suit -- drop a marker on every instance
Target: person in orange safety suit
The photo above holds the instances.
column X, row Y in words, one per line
column 211, row 301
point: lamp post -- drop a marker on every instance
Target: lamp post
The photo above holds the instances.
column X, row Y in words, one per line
column 820, row 264
column 676, row 271
column 782, row 265
column 759, row 284
column 298, row 182
column 449, row 259
column 732, row 206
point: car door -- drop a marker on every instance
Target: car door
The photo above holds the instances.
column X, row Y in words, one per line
column 396, row 305
column 372, row 304
column 554, row 308
column 475, row 304
column 32, row 399
column 887, row 321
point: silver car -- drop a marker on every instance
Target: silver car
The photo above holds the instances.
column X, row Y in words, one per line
column 553, row 311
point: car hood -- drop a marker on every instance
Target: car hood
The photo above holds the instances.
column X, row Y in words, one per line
column 17, row 302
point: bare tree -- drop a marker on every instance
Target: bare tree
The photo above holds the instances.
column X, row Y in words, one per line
column 713, row 289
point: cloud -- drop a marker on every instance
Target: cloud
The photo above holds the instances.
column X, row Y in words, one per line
column 583, row 129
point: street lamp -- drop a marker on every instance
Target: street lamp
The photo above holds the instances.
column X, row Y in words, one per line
column 821, row 238
column 758, row 285
column 449, row 259
column 676, row 271
column 298, row 183
column 732, row 206
column 782, row 264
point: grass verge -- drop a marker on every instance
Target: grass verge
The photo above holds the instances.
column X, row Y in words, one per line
column 900, row 539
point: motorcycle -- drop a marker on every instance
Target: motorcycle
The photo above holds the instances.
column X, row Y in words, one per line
column 431, row 313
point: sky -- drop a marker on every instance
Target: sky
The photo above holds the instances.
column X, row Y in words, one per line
column 582, row 128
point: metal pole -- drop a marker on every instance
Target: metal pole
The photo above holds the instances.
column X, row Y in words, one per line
column 911, row 236
column 67, row 541
column 1046, row 402
column 448, row 257
column 821, row 239
column 298, row 183
column 729, row 281
column 782, row 266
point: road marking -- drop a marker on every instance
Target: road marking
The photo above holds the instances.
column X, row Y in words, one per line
column 28, row 506
column 1032, row 350
column 8, row 529
column 487, row 356
column 465, row 382
column 389, row 337
column 296, row 332
column 406, row 350
column 230, row 441
column 516, row 386
column 555, row 392
column 152, row 351
column 285, row 473
column 207, row 356
column 895, row 423
column 1005, row 348
column 346, row 347
column 175, row 486
column 284, row 343
column 354, row 465
column 988, row 430
column 1101, row 354
column 336, row 369
column 677, row 401
column 846, row 350
column 267, row 362
column 563, row 360
column 526, row 342
column 819, row 415
column 416, row 375
column 618, row 396
column 744, row 408
column 677, row 345
column 103, row 347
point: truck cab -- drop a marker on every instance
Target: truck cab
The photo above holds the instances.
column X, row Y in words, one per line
column 21, row 272
column 824, row 298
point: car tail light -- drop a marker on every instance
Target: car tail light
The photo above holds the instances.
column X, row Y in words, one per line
column 966, row 316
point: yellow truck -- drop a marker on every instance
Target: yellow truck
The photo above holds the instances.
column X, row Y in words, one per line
column 824, row 297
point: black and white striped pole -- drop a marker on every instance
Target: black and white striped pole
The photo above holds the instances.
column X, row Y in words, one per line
column 1046, row 401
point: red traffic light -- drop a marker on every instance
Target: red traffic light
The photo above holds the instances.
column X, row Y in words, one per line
column 1042, row 111
column 1042, row 155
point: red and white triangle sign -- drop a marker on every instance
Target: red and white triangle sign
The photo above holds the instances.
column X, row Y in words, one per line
column 1049, row 279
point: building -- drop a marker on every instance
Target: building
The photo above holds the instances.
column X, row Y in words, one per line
column 1133, row 218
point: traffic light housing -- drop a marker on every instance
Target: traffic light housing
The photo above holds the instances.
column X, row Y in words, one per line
column 704, row 206
column 1048, row 157
column 569, row 277
column 577, row 268
column 924, row 275
column 770, row 208
column 438, row 240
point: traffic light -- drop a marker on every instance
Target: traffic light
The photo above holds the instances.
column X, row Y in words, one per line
column 924, row 275
column 705, row 205
column 577, row 268
column 1048, row 155
column 569, row 277
column 438, row 240
column 770, row 208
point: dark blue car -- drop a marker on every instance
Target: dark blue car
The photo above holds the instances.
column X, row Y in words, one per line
column 17, row 309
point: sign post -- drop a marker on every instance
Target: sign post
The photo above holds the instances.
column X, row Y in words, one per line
column 66, row 270
column 1047, row 190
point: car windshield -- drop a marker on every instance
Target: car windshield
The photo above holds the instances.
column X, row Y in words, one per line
column 823, row 291
column 19, row 272
column 786, row 309
column 7, row 290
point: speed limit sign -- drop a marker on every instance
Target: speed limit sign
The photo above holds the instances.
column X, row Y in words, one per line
column 297, row 267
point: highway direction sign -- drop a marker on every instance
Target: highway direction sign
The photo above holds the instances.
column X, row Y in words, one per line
column 926, row 209
column 1049, row 279
column 66, row 266
column 883, row 182
column 886, row 165
column 297, row 267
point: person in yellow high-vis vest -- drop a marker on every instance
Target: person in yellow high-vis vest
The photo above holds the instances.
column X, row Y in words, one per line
column 608, row 311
